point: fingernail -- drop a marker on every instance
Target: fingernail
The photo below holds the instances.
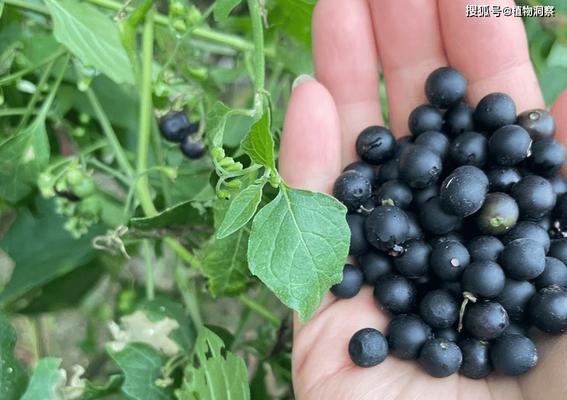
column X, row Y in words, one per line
column 300, row 79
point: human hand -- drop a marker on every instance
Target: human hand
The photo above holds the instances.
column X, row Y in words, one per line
column 406, row 40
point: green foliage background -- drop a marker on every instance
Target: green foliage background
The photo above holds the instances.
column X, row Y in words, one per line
column 159, row 276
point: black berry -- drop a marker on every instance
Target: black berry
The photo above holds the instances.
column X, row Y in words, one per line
column 439, row 309
column 174, row 126
column 406, row 335
column 394, row 193
column 434, row 141
column 352, row 189
column 370, row 172
column 449, row 259
column 440, row 358
column 458, row 119
column 387, row 228
column 192, row 149
column 534, row 195
column 350, row 284
column 528, row 230
column 548, row 310
column 368, row 347
column 395, row 294
column 515, row 297
column 419, row 166
column 513, row 355
column 539, row 124
column 485, row 248
column 494, row 111
column 498, row 214
column 469, row 148
column 501, row 179
column 483, row 278
column 509, row 145
column 374, row 265
column 358, row 243
column 463, row 192
column 445, row 87
column 435, row 219
column 414, row 262
column 425, row 118
column 476, row 359
column 485, row 320
column 375, row 145
column 523, row 259
column 555, row 273
column 547, row 158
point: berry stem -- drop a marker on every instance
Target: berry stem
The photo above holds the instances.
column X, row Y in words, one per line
column 468, row 296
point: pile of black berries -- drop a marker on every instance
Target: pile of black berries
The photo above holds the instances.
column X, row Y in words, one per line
column 175, row 127
column 460, row 228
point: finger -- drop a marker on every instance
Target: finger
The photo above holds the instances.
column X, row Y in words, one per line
column 346, row 62
column 410, row 46
column 492, row 53
column 559, row 111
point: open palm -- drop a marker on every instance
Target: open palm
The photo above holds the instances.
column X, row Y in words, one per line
column 406, row 40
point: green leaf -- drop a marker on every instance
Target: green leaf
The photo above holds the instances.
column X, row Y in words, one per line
column 216, row 122
column 93, row 391
column 298, row 245
column 141, row 365
column 22, row 158
column 176, row 216
column 294, row 17
column 223, row 8
column 241, row 210
column 225, row 264
column 49, row 251
column 92, row 37
column 259, row 144
column 557, row 56
column 12, row 377
column 46, row 381
column 217, row 373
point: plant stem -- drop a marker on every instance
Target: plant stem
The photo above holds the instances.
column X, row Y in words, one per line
column 259, row 56
column 9, row 112
column 182, row 252
column 16, row 75
column 260, row 309
column 35, row 97
column 110, row 134
column 109, row 170
column 148, row 259
column 189, row 294
column 145, row 123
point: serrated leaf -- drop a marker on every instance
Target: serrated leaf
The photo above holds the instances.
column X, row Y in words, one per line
column 12, row 377
column 142, row 365
column 298, row 245
column 223, row 8
column 259, row 144
column 225, row 265
column 216, row 123
column 46, row 381
column 218, row 374
column 92, row 37
column 241, row 210
column 22, row 158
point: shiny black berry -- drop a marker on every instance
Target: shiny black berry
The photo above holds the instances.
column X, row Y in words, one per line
column 419, row 166
column 463, row 192
column 406, row 335
column 548, row 310
column 394, row 193
column 414, row 262
column 555, row 273
column 352, row 189
column 534, row 195
column 374, row 265
column 174, row 126
column 395, row 294
column 515, row 298
column 439, row 309
column 483, row 279
column 434, row 141
column 375, row 145
column 387, row 228
column 469, row 148
column 358, row 243
column 435, row 219
column 528, row 230
column 513, row 355
column 458, row 119
column 509, row 145
column 449, row 259
column 476, row 358
column 485, row 320
column 539, row 124
column 485, row 248
column 350, row 284
column 547, row 158
column 445, row 87
column 370, row 172
column 494, row 111
column 425, row 118
column 501, row 179
column 368, row 347
column 440, row 358
column 498, row 214
column 523, row 259
column 192, row 149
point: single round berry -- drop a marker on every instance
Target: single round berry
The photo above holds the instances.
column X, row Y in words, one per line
column 434, row 141
column 463, row 192
column 387, row 228
column 476, row 359
column 449, row 259
column 420, row 196
column 440, row 358
column 358, row 243
column 445, row 87
column 555, row 273
column 523, row 259
column 449, row 334
column 174, row 126
column 350, row 284
column 534, row 195
column 513, row 355
column 539, row 124
column 515, row 297
column 484, row 278
column 439, row 309
column 395, row 294
column 485, row 320
column 485, row 248
column 406, row 335
column 494, row 111
column 509, row 145
column 415, row 231
column 501, row 179
column 498, row 214
column 547, row 158
column 414, row 262
column 352, row 189
column 375, row 145
column 548, row 310
column 192, row 149
column 389, row 171
column 558, row 249
column 368, row 347
column 469, row 148
column 528, row 230
column 458, row 119
column 425, row 118
column 394, row 193
column 368, row 171
column 374, row 265
column 435, row 219
column 419, row 166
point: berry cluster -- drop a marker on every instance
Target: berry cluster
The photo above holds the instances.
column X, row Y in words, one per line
column 459, row 228
column 175, row 127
